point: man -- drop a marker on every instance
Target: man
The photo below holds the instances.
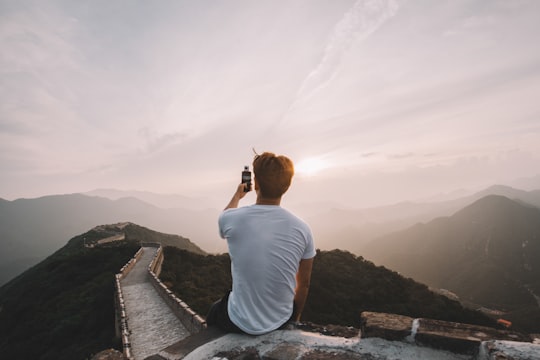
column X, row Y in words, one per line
column 271, row 254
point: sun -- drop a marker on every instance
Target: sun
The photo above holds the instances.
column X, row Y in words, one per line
column 310, row 166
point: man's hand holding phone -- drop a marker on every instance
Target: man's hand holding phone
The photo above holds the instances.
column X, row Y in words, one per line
column 246, row 178
column 242, row 189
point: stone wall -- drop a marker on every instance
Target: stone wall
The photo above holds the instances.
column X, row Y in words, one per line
column 155, row 265
column 189, row 318
column 454, row 337
column 130, row 264
column 122, row 329
column 192, row 321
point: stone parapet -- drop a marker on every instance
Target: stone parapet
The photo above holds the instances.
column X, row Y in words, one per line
column 456, row 337
column 157, row 261
column 130, row 264
column 189, row 318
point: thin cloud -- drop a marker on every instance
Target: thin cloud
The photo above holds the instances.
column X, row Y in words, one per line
column 363, row 19
column 154, row 142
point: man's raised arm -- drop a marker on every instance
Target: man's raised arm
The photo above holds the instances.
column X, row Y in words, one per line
column 239, row 194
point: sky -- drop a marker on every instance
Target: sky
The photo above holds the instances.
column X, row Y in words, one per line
column 376, row 101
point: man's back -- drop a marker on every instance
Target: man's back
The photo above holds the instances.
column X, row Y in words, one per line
column 266, row 244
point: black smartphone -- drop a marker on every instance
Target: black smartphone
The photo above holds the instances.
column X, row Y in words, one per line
column 246, row 178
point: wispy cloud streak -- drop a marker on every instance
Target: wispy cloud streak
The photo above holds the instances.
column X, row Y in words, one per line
column 362, row 20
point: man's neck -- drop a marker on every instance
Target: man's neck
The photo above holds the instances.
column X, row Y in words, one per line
column 267, row 201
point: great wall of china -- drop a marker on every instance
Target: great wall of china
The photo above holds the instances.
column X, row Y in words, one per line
column 151, row 320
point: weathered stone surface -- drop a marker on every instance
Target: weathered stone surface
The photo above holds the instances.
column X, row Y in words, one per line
column 336, row 355
column 300, row 345
column 330, row 330
column 239, row 354
column 385, row 326
column 458, row 337
column 284, row 352
column 109, row 354
column 190, row 343
column 508, row 350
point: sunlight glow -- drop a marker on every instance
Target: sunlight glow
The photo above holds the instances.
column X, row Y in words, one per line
column 310, row 166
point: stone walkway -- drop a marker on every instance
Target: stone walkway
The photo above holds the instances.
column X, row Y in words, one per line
column 152, row 324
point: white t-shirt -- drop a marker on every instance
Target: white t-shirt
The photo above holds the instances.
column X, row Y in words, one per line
column 266, row 244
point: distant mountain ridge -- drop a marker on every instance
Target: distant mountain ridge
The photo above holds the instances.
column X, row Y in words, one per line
column 34, row 228
column 31, row 229
column 488, row 253
column 164, row 201
column 357, row 227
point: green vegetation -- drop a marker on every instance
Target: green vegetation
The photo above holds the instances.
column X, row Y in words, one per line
column 63, row 308
column 196, row 279
column 342, row 286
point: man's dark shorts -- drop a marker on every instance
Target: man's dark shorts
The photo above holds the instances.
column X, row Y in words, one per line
column 218, row 315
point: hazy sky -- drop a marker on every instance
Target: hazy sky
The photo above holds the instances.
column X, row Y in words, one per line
column 377, row 101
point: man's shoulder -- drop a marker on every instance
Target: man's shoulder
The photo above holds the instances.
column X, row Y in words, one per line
column 293, row 215
column 297, row 220
column 234, row 211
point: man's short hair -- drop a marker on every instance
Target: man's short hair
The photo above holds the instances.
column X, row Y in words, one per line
column 273, row 174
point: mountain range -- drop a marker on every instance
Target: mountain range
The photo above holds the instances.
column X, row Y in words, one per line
column 31, row 229
column 353, row 228
column 487, row 253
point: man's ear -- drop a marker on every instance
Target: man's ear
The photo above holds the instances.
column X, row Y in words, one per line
column 255, row 184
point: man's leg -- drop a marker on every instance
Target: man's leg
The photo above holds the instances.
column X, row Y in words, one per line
column 219, row 316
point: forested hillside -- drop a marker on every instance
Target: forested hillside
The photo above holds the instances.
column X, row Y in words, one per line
column 342, row 286
column 487, row 253
column 63, row 308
